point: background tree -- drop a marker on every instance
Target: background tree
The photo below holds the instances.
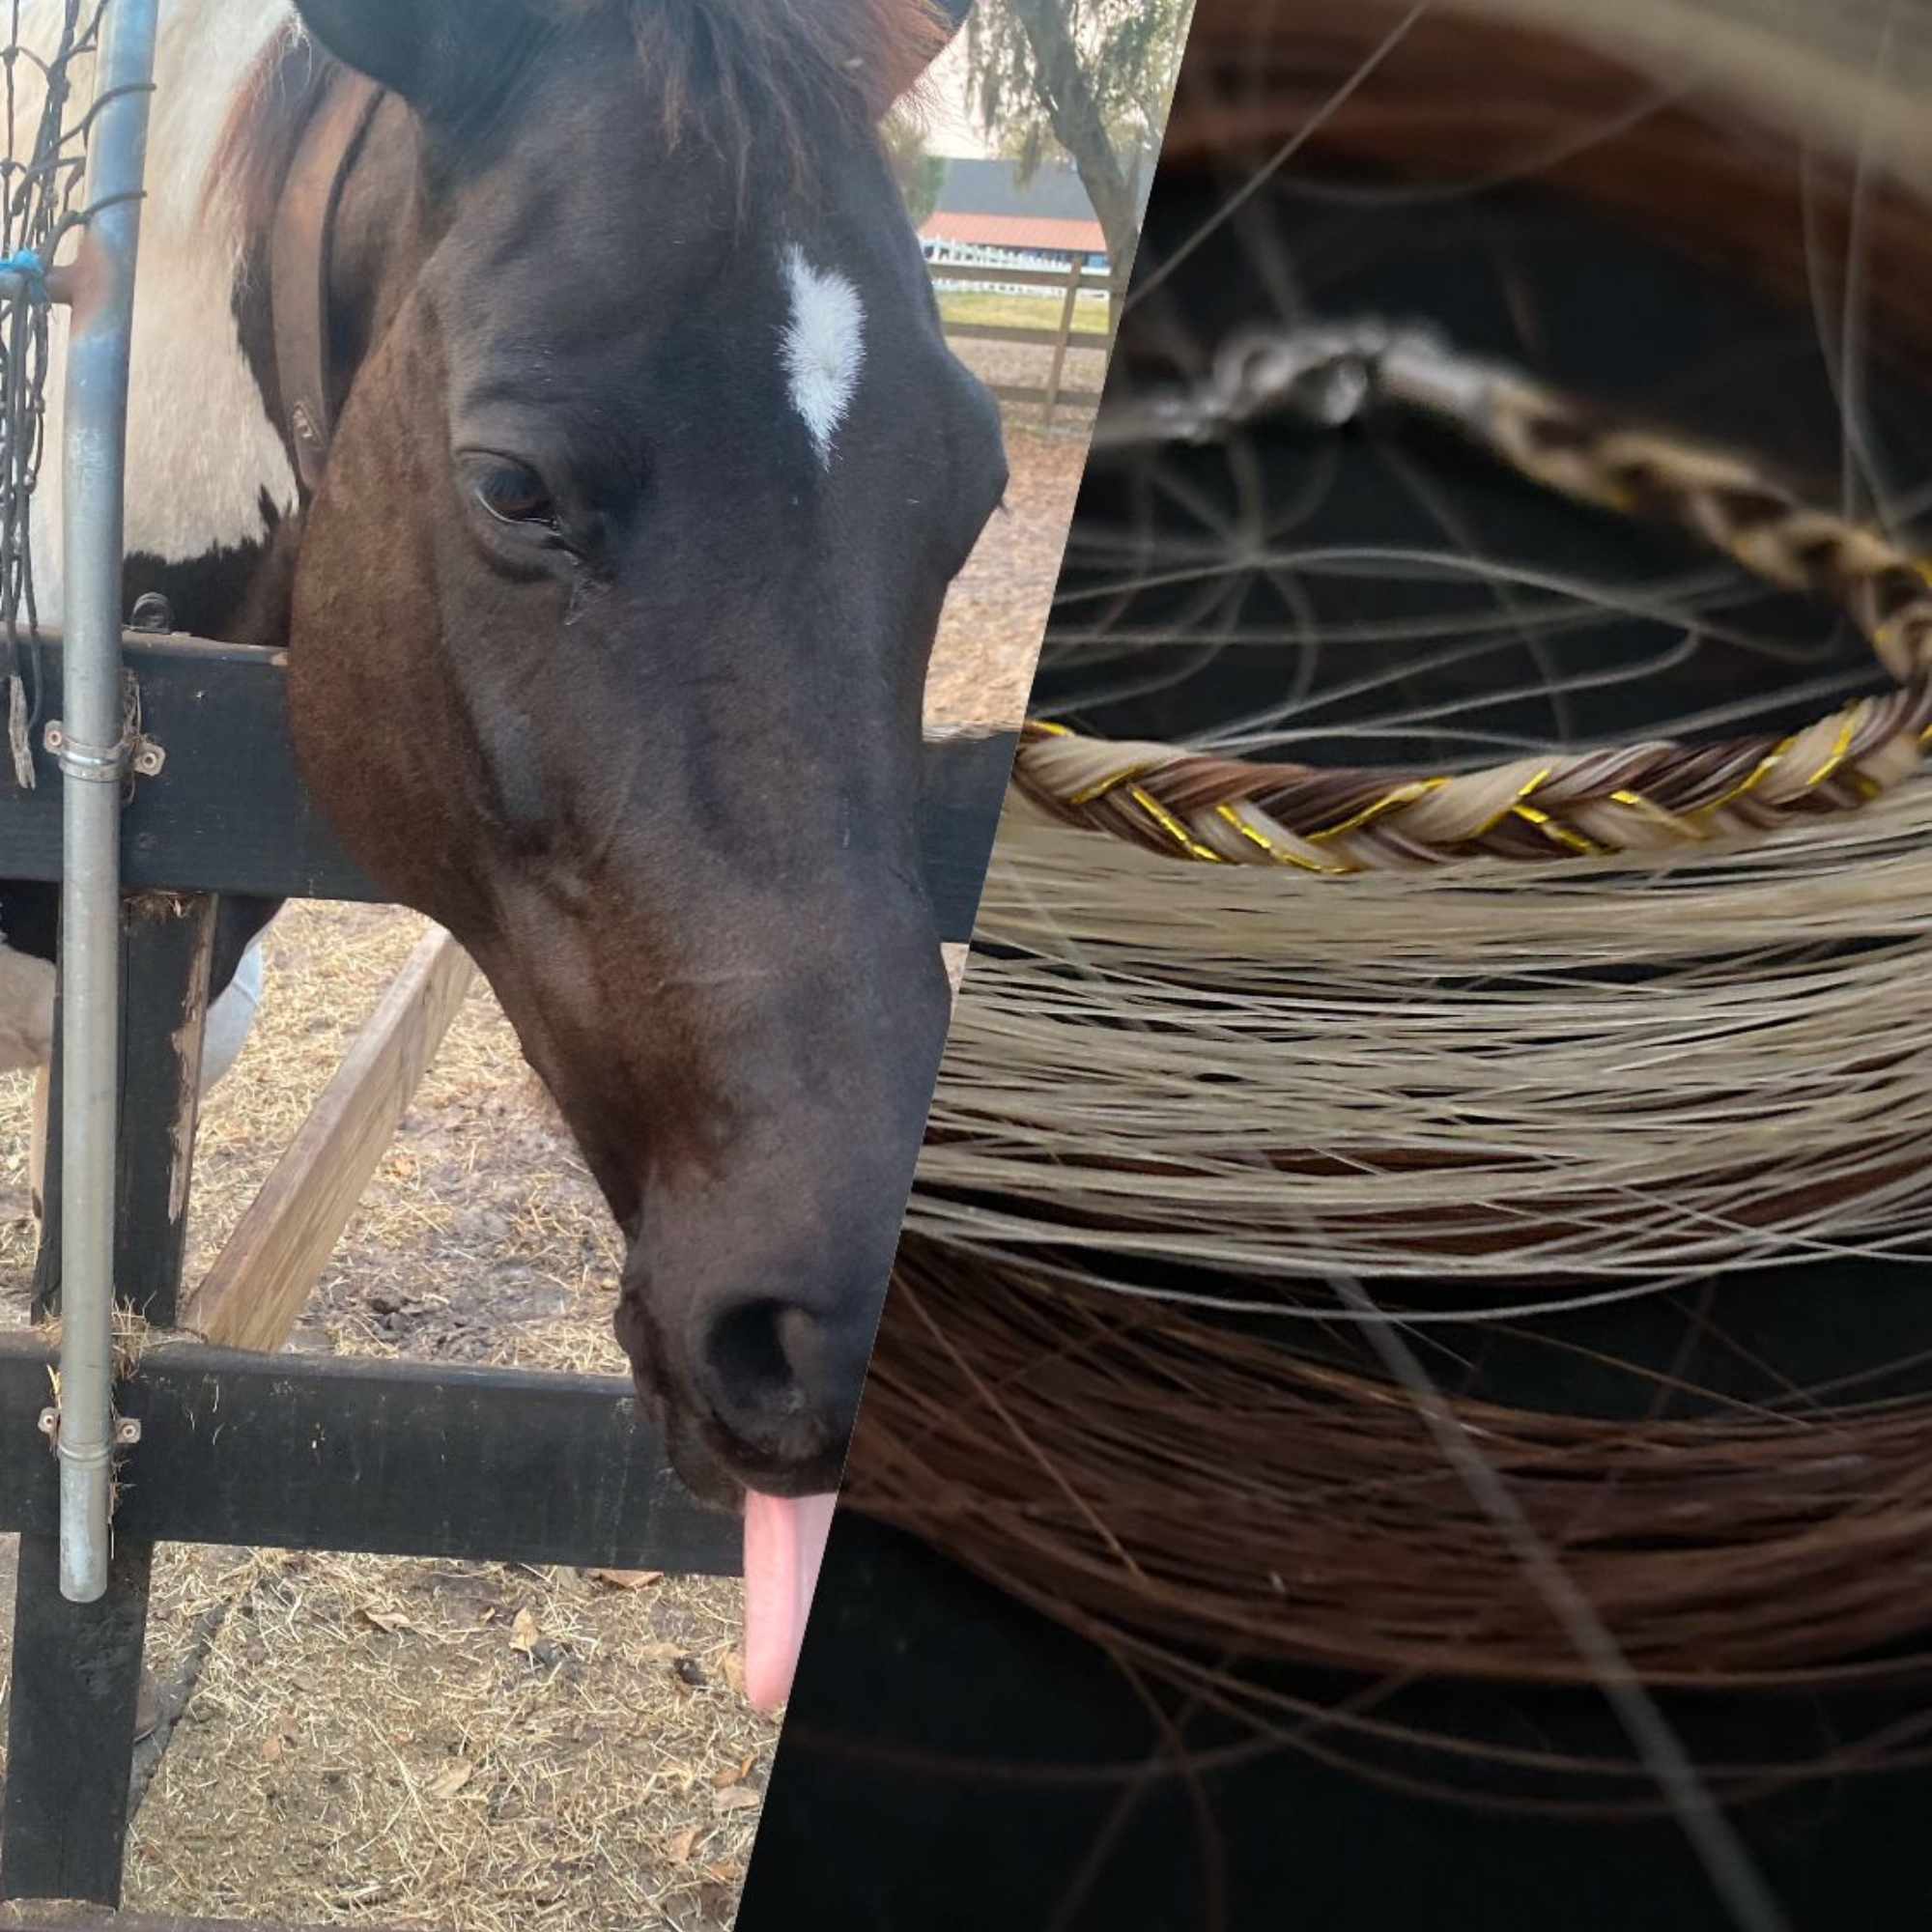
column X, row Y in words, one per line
column 1094, row 77
column 921, row 175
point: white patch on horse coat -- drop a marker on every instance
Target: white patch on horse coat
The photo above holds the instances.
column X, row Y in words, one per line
column 202, row 451
column 26, row 1010
column 824, row 348
column 27, row 1013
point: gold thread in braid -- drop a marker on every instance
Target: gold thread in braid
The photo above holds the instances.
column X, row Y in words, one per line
column 1848, row 726
column 1554, row 829
column 1173, row 828
column 1764, row 767
column 1280, row 854
column 1673, row 821
column 1099, row 790
column 1406, row 793
column 1518, row 803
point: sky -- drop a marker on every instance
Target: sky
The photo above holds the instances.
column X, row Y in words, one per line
column 952, row 132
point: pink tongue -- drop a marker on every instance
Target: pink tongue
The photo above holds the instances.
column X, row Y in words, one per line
column 784, row 1544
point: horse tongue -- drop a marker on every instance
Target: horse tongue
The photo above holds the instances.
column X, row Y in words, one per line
column 784, row 1544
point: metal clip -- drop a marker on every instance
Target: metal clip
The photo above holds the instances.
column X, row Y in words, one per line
column 126, row 1428
column 136, row 756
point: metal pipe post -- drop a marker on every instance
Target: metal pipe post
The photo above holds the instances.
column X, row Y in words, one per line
column 93, row 759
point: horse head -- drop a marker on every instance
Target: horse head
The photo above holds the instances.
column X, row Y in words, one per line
column 610, row 620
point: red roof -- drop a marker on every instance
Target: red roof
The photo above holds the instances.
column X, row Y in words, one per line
column 1033, row 232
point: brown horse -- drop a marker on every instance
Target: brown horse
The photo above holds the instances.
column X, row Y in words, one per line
column 608, row 615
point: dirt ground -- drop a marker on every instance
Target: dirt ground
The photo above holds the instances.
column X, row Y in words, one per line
column 369, row 1741
column 989, row 636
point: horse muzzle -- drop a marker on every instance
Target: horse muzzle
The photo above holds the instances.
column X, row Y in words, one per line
column 759, row 1391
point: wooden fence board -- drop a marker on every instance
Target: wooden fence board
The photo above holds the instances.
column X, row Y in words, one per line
column 166, row 942
column 215, row 822
column 1070, row 283
column 394, row 1459
column 1013, row 331
column 254, row 1293
column 76, row 1670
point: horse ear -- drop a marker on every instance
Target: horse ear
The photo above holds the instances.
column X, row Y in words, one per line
column 934, row 25
column 947, row 17
column 439, row 55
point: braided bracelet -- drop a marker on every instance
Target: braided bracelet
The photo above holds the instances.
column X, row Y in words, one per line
column 1636, row 798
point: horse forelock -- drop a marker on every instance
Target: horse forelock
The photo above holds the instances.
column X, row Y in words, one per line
column 745, row 75
column 755, row 80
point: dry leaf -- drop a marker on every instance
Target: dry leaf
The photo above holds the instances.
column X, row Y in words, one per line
column 739, row 1798
column 449, row 1782
column 524, row 1632
column 732, row 1667
column 722, row 1780
column 386, row 1620
column 626, row 1579
column 273, row 1747
column 683, row 1845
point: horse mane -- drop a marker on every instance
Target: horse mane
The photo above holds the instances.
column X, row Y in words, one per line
column 746, row 73
column 744, row 77
column 264, row 129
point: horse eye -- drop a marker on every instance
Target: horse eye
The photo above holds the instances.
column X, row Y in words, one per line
column 513, row 492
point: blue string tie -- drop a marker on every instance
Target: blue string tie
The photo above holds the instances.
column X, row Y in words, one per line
column 31, row 270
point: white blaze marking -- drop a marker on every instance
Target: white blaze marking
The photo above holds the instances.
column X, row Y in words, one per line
column 824, row 348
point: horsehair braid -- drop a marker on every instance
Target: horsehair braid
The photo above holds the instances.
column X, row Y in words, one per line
column 1647, row 797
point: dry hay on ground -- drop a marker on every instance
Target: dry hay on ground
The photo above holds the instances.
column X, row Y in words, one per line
column 369, row 1740
column 411, row 1743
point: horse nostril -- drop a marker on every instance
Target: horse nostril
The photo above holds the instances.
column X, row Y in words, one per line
column 775, row 1377
column 751, row 1373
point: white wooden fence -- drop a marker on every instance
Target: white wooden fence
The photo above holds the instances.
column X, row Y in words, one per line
column 1005, row 271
